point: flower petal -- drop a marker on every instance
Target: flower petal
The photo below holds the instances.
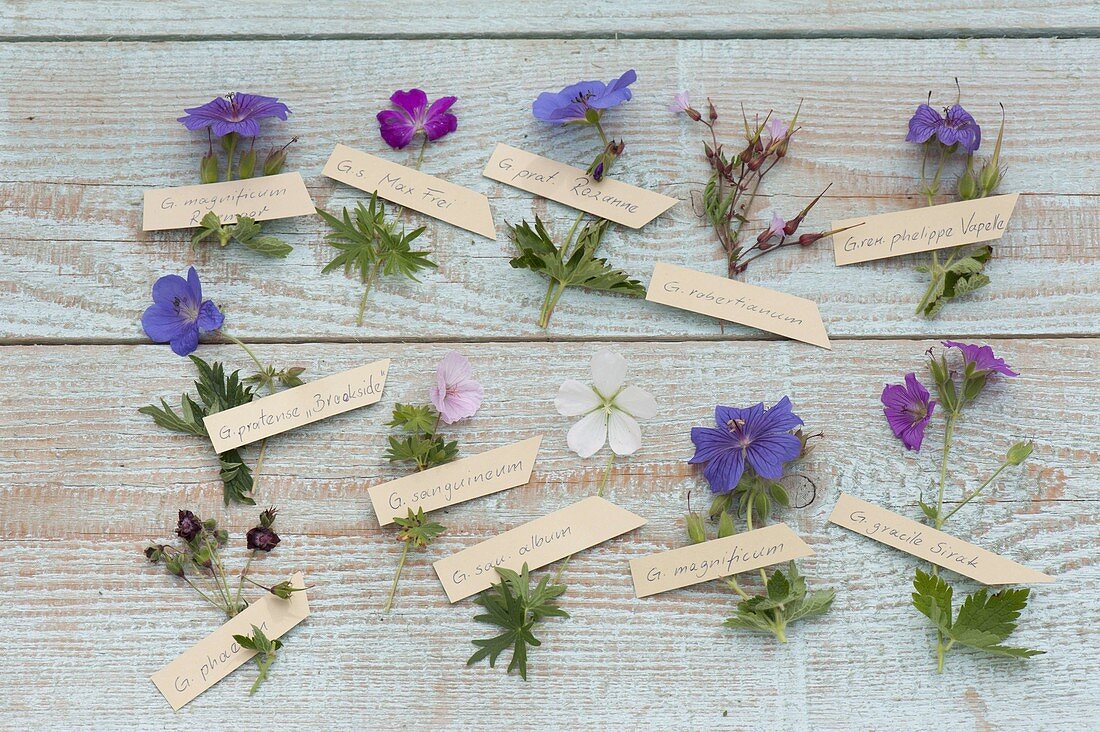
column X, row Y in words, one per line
column 575, row 398
column 709, row 443
column 412, row 101
column 162, row 323
column 186, row 341
column 172, row 289
column 924, row 123
column 396, row 128
column 210, row 318
column 637, row 402
column 768, row 454
column 588, row 435
column 461, row 401
column 724, row 472
column 623, row 432
column 608, row 371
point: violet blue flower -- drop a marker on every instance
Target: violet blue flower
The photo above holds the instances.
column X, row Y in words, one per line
column 240, row 113
column 573, row 102
column 178, row 313
column 982, row 358
column 455, row 395
column 761, row 437
column 399, row 126
column 908, row 409
column 957, row 127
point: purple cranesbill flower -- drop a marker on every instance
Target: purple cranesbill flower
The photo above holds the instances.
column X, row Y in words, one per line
column 261, row 538
column 573, row 102
column 957, row 127
column 178, row 313
column 238, row 112
column 188, row 526
column 757, row 436
column 908, row 409
column 399, row 126
column 982, row 358
column 960, row 127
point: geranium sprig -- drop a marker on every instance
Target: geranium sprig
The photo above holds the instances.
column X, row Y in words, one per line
column 232, row 119
column 744, row 456
column 574, row 263
column 455, row 396
column 984, row 620
column 735, row 180
column 943, row 136
column 198, row 562
column 369, row 244
column 178, row 316
column 610, row 411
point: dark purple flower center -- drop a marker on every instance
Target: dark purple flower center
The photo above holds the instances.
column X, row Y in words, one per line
column 919, row 410
column 583, row 98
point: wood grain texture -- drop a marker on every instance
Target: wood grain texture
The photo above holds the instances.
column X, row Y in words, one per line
column 507, row 18
column 90, row 481
column 78, row 147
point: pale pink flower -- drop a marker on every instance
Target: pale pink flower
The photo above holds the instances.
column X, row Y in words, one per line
column 456, row 395
column 777, row 128
column 680, row 103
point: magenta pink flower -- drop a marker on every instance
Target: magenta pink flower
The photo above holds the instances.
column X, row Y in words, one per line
column 981, row 359
column 412, row 115
column 456, row 395
column 908, row 408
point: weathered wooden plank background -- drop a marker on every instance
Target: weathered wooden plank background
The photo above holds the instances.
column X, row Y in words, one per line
column 87, row 123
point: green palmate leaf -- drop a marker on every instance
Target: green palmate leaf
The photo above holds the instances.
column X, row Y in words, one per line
column 580, row 268
column 217, row 392
column 426, row 451
column 932, row 597
column 786, row 601
column 369, row 245
column 417, row 530
column 962, row 277
column 515, row 607
column 245, row 231
column 415, row 418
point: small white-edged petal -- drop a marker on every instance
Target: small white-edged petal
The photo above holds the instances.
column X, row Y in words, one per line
column 587, row 436
column 624, row 433
column 637, row 402
column 608, row 371
column 575, row 398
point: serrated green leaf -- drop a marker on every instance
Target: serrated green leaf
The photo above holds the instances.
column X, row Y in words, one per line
column 932, row 597
column 987, row 619
column 269, row 246
column 811, row 605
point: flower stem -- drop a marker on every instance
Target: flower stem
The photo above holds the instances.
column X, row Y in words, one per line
column 205, row 596
column 396, row 578
column 367, row 282
column 247, row 350
column 244, row 573
column 948, row 434
column 976, row 493
column 229, row 155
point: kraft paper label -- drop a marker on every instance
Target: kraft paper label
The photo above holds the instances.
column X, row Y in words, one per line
column 537, row 543
column 264, row 198
column 609, row 199
column 446, row 485
column 737, row 302
column 218, row 654
column 412, row 189
column 922, row 229
column 295, row 407
column 715, row 559
column 931, row 544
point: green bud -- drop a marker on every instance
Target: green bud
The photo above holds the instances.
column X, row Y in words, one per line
column 247, row 165
column 725, row 526
column 968, row 186
column 274, row 161
column 697, row 532
column 228, row 141
column 722, row 502
column 208, row 169
column 989, row 178
column 1019, row 452
column 174, row 564
column 591, row 116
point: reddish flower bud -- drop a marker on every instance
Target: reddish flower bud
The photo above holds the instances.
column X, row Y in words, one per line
column 713, row 113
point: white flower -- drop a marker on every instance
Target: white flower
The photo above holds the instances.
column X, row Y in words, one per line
column 610, row 408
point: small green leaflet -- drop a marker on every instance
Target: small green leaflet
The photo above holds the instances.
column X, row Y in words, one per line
column 582, row 268
column 266, row 650
column 426, row 451
column 415, row 418
column 984, row 621
column 217, row 392
column 245, row 231
column 962, row 277
column 516, row 608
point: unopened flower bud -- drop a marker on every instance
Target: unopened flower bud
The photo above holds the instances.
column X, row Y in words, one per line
column 968, row 186
column 174, row 565
column 261, row 538
column 1019, row 452
column 155, row 553
column 597, row 172
column 693, row 114
column 697, row 532
column 712, row 112
column 267, row 518
column 247, row 165
column 282, row 590
column 208, row 169
column 807, row 239
column 989, row 178
column 273, row 164
column 188, row 526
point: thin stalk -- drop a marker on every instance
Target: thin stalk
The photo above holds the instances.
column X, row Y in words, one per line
column 244, row 573
column 205, row 596
column 229, row 155
column 367, row 282
column 396, row 577
column 976, row 493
